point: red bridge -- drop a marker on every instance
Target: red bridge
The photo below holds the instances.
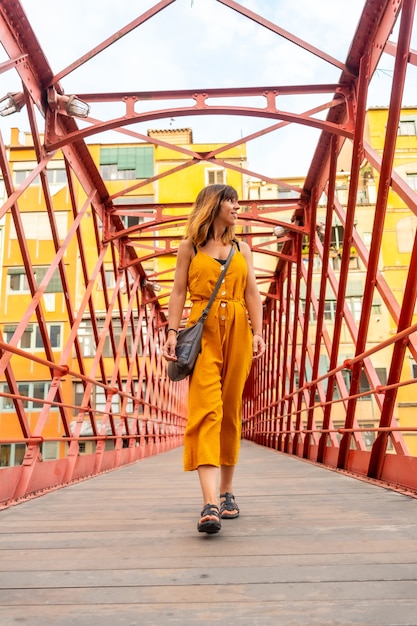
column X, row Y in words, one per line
column 92, row 212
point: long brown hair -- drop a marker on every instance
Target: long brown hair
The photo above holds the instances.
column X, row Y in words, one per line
column 206, row 208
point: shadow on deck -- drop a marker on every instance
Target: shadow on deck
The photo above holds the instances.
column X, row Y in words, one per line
column 311, row 547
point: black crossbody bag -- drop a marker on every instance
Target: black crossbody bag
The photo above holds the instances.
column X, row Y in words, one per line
column 189, row 339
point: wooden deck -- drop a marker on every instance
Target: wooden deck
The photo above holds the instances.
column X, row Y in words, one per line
column 311, row 547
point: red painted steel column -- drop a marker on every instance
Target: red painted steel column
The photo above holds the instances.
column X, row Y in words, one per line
column 288, row 439
column 357, row 157
column 285, row 337
column 410, row 292
column 280, row 374
column 400, row 69
column 298, row 438
column 320, row 313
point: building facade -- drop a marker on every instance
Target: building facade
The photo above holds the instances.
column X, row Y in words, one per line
column 139, row 177
column 399, row 231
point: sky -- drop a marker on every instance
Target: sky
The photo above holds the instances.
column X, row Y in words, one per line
column 201, row 44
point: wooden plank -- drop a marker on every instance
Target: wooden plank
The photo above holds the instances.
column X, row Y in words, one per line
column 276, row 613
column 311, row 546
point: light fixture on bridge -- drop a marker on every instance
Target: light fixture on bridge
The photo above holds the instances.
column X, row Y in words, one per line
column 72, row 105
column 75, row 107
column 151, row 285
column 280, row 231
column 11, row 103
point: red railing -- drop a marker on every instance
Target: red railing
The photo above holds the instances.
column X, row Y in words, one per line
column 106, row 400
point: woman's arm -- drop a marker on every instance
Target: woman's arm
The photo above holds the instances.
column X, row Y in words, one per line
column 177, row 298
column 253, row 303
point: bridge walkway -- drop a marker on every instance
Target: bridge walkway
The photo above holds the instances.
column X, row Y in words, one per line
column 312, row 546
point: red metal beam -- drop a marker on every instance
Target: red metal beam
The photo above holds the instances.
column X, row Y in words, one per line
column 113, row 39
column 283, row 33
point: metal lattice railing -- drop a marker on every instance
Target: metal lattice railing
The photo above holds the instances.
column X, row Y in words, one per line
column 87, row 266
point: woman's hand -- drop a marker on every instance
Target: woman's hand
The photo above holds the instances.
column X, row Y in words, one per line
column 168, row 349
column 258, row 346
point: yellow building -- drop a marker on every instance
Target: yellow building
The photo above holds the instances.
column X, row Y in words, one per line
column 399, row 232
column 135, row 174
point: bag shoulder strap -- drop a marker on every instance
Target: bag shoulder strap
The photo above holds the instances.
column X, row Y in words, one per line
column 219, row 281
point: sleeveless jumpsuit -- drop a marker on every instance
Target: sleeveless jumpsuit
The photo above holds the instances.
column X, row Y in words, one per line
column 213, row 431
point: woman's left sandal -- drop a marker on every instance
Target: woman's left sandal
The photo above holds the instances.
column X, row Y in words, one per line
column 228, row 508
column 210, row 526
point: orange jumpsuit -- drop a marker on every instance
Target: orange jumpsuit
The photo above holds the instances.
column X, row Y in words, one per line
column 213, row 431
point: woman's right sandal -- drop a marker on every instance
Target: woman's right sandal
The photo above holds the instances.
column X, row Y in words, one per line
column 210, row 526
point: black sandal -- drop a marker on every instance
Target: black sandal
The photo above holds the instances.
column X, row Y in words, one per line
column 210, row 526
column 228, row 504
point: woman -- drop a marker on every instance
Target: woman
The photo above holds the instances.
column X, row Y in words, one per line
column 213, row 431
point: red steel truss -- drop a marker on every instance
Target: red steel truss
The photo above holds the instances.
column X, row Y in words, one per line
column 289, row 403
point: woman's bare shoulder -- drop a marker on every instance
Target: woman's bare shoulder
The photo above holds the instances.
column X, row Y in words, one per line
column 245, row 248
column 186, row 247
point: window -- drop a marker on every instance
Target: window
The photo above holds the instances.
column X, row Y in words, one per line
column 135, row 220
column 355, row 306
column 49, row 450
column 110, row 279
column 336, row 426
column 37, row 225
column 54, row 333
column 54, row 285
column 341, row 193
column 26, row 338
column 98, row 399
column 216, row 177
column 56, row 176
column 284, row 192
column 336, row 239
column 362, row 197
column 148, row 214
column 12, row 454
column 86, row 338
column 312, row 313
column 88, row 344
column 17, row 280
column 21, row 175
column 101, row 399
column 111, row 172
column 34, row 389
column 329, row 310
column 127, row 162
column 367, row 239
column 412, row 180
column 33, row 340
column 407, row 126
column 406, row 231
column 368, row 436
column 364, row 384
column 381, row 372
column 317, row 264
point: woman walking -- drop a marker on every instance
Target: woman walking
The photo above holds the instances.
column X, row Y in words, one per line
column 229, row 343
